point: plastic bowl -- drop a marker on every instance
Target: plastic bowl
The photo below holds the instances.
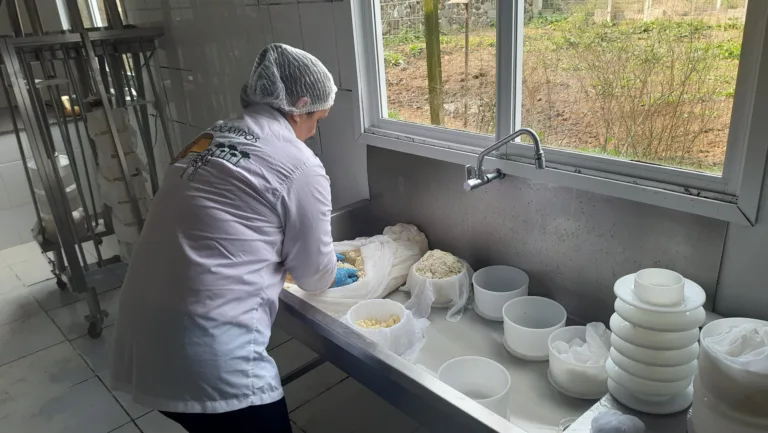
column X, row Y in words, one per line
column 495, row 286
column 528, row 323
column 652, row 339
column 646, row 389
column 741, row 390
column 576, row 380
column 658, row 358
column 379, row 309
column 659, row 286
column 445, row 290
column 485, row 381
column 653, row 373
column 663, row 322
column 399, row 338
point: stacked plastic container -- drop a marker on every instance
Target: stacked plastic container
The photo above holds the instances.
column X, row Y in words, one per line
column 731, row 391
column 73, row 196
column 653, row 358
column 112, row 183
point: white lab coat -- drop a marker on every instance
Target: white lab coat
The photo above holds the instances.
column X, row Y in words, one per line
column 201, row 293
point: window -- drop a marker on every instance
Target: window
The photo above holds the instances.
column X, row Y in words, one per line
column 634, row 91
column 467, row 82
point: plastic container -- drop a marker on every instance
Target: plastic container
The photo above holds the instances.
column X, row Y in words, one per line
column 573, row 379
column 653, row 373
column 742, row 391
column 652, row 339
column 481, row 379
column 710, row 415
column 659, row 358
column 528, row 323
column 495, row 286
column 663, row 322
column 402, row 339
column 428, row 293
column 646, row 389
column 65, row 171
column 659, row 286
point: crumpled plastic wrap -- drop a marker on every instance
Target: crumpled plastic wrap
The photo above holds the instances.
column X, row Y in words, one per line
column 592, row 352
column 613, row 421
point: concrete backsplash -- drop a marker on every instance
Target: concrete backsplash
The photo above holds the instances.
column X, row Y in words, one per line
column 573, row 244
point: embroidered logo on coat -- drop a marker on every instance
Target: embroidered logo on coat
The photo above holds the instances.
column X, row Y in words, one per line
column 225, row 152
column 198, row 145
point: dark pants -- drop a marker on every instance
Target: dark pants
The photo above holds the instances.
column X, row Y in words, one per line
column 268, row 418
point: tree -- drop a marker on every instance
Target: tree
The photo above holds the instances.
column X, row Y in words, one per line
column 434, row 62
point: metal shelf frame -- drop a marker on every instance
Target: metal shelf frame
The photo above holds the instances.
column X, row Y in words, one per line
column 97, row 69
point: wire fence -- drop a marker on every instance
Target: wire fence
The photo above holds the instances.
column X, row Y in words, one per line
column 398, row 16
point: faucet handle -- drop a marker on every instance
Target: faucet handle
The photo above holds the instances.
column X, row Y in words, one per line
column 471, row 171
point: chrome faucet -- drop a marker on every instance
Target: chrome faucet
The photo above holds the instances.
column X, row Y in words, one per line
column 477, row 176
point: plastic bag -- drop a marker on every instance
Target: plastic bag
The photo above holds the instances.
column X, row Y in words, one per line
column 405, row 338
column 613, row 421
column 745, row 347
column 449, row 292
column 386, row 259
column 592, row 352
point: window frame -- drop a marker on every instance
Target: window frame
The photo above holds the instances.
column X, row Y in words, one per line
column 733, row 197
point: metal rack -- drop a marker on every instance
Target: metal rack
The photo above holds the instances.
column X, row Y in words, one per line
column 97, row 69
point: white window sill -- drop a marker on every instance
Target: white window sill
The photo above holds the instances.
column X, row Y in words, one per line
column 690, row 202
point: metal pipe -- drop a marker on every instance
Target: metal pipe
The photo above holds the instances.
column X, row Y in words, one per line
column 142, row 119
column 113, row 128
column 49, row 172
column 476, row 176
column 91, row 186
column 15, row 18
column 34, row 17
column 63, row 126
column 160, row 108
column 114, row 20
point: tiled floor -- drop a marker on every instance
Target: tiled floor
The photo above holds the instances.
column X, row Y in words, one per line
column 52, row 375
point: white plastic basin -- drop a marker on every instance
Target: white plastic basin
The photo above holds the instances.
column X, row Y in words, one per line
column 528, row 323
column 495, row 286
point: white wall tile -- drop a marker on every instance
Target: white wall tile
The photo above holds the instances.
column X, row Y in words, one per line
column 319, row 36
column 286, row 26
column 345, row 159
column 345, row 42
column 15, row 184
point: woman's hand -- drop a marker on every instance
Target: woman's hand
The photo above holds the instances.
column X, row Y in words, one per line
column 345, row 277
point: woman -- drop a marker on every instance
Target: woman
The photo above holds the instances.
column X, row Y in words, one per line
column 244, row 203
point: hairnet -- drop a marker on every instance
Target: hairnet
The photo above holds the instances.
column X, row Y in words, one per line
column 283, row 75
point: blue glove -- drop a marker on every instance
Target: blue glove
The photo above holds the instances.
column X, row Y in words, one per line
column 340, row 257
column 345, row 277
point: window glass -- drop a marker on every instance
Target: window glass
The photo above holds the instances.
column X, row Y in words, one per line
column 468, row 94
column 646, row 80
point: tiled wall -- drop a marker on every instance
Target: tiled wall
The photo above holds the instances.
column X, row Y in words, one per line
column 208, row 51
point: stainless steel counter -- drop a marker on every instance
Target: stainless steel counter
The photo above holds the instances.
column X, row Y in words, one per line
column 535, row 407
column 676, row 423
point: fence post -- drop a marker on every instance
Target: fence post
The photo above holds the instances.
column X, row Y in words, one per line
column 434, row 62
column 647, row 10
